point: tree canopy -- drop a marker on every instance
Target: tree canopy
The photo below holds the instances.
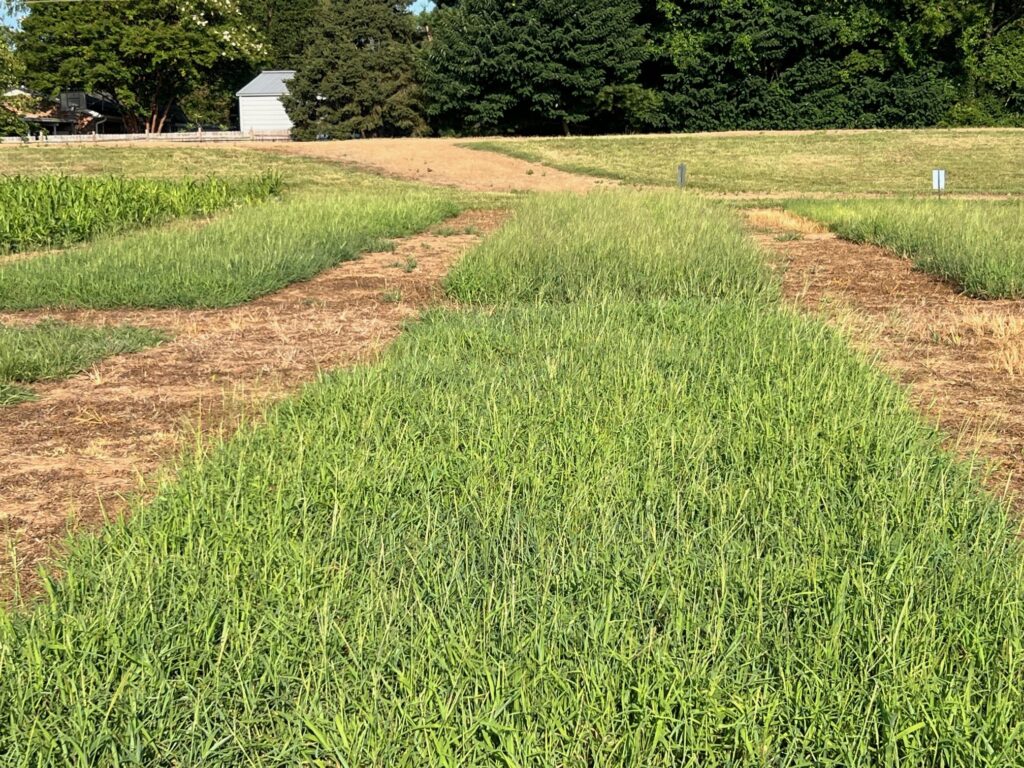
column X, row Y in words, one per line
column 366, row 67
column 11, row 75
column 357, row 77
column 11, row 70
column 536, row 66
column 147, row 54
column 284, row 26
column 540, row 66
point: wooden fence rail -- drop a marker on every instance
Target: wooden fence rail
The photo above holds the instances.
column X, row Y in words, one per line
column 192, row 136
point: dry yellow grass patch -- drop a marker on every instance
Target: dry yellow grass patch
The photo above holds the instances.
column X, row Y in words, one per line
column 1000, row 338
column 778, row 219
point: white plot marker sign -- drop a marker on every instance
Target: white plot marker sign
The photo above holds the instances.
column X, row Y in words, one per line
column 939, row 180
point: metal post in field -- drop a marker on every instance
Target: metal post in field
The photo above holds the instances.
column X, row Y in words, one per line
column 682, row 175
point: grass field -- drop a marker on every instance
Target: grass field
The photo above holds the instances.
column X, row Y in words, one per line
column 827, row 162
column 327, row 214
column 54, row 350
column 613, row 521
column 979, row 245
column 236, row 257
column 563, row 248
column 52, row 211
column 170, row 163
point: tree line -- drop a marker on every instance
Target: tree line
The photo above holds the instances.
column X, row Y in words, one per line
column 372, row 68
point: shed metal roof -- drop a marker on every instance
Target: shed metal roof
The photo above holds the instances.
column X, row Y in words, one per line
column 273, row 82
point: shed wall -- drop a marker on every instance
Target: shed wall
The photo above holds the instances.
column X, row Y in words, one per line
column 262, row 113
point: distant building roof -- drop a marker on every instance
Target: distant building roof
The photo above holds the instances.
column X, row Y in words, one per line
column 270, row 83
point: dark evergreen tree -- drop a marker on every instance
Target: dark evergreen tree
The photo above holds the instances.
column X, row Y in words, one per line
column 791, row 64
column 358, row 75
column 539, row 66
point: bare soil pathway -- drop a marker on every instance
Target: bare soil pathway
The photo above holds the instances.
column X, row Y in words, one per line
column 443, row 162
column 962, row 358
column 71, row 458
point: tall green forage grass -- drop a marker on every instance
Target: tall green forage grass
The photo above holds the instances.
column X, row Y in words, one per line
column 52, row 350
column 632, row 523
column 976, row 244
column 237, row 257
column 637, row 245
column 11, row 394
column 51, row 211
column 680, row 533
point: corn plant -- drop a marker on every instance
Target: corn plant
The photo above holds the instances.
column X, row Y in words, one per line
column 39, row 212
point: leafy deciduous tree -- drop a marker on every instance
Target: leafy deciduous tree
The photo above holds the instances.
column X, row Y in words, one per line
column 11, row 75
column 148, row 55
column 791, row 64
column 11, row 69
column 285, row 26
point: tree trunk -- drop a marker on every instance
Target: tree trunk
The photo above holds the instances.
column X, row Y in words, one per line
column 132, row 123
column 163, row 117
column 153, row 113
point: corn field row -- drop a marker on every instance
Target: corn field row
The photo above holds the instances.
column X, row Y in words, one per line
column 38, row 212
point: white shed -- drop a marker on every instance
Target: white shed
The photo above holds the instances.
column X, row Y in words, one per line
column 259, row 103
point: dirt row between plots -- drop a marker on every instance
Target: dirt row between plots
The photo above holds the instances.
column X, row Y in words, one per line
column 72, row 457
column 441, row 162
column 962, row 358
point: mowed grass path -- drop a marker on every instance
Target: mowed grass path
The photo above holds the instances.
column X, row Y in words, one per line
column 978, row 245
column 828, row 162
column 53, row 350
column 609, row 521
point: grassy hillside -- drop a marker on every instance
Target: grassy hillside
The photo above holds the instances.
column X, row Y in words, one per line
column 827, row 162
